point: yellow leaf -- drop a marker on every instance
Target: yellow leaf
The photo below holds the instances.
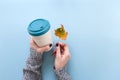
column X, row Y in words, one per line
column 61, row 33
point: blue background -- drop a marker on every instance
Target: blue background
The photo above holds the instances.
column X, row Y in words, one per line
column 94, row 36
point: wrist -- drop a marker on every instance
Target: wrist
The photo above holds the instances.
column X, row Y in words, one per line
column 58, row 67
column 59, row 71
column 34, row 54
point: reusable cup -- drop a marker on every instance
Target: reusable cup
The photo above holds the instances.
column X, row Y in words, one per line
column 40, row 31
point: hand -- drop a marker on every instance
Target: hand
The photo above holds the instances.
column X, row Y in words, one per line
column 62, row 55
column 39, row 49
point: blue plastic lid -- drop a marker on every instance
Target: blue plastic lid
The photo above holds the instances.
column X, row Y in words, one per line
column 38, row 27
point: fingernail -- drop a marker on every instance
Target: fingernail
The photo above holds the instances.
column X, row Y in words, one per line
column 57, row 44
column 50, row 45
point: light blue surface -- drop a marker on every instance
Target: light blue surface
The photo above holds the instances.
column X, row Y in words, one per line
column 94, row 36
column 38, row 27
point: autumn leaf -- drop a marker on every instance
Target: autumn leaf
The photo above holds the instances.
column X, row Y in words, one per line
column 61, row 33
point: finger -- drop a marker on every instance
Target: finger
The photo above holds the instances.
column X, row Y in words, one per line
column 43, row 49
column 61, row 47
column 54, row 52
column 66, row 52
column 33, row 44
column 66, row 47
column 58, row 50
column 61, row 44
column 31, row 41
column 62, row 51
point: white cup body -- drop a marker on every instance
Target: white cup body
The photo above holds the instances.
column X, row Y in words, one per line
column 44, row 39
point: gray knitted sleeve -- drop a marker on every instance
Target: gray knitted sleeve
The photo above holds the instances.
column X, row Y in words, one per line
column 32, row 71
column 62, row 74
column 33, row 66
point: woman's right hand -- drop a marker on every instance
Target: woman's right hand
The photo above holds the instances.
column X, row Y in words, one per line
column 62, row 55
column 41, row 50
